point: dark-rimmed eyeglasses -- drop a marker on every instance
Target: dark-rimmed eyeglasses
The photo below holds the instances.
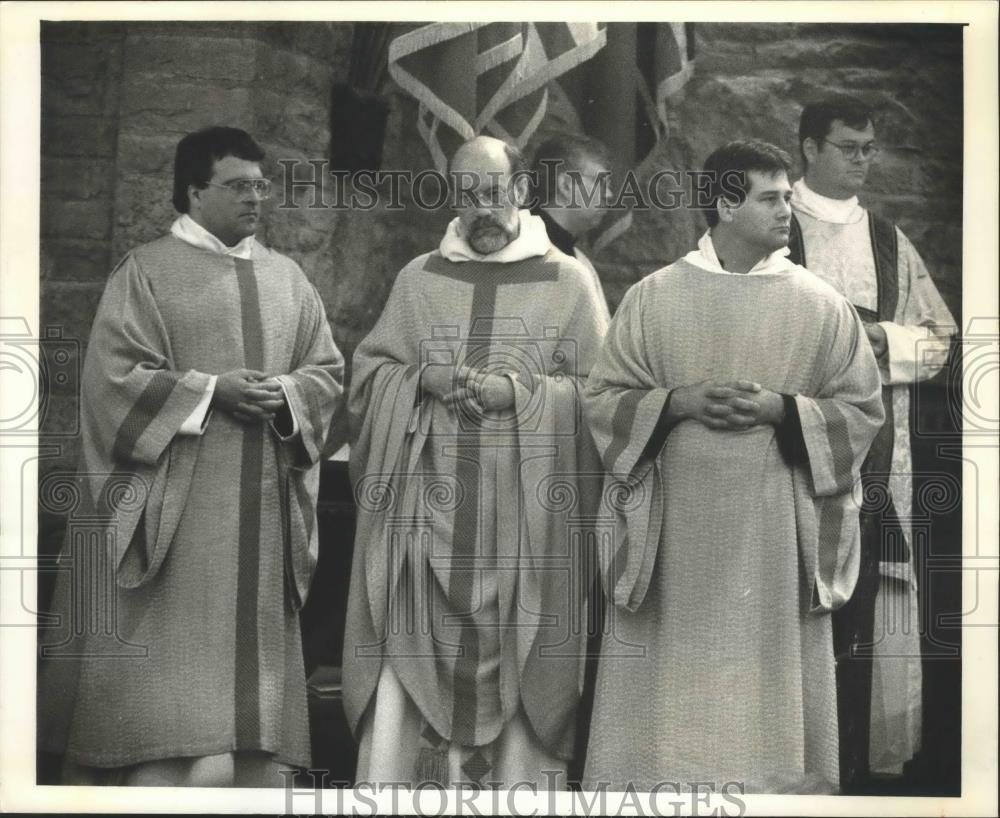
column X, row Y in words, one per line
column 851, row 150
column 242, row 188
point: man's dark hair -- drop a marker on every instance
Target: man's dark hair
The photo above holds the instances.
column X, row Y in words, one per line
column 197, row 152
column 727, row 170
column 563, row 152
column 818, row 117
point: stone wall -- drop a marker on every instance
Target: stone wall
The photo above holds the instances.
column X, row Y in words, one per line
column 116, row 97
column 81, row 95
column 752, row 80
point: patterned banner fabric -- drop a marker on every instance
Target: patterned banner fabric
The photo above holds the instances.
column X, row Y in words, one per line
column 475, row 78
column 655, row 61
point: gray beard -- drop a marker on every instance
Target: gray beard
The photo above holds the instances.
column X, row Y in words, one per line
column 487, row 243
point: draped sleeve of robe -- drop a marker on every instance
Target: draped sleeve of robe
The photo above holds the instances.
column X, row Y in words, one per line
column 392, row 420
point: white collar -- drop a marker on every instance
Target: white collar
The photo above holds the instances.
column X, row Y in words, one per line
column 532, row 240
column 838, row 211
column 706, row 258
column 187, row 229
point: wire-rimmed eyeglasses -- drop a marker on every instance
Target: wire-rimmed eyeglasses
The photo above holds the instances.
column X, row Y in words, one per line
column 242, row 188
column 851, row 150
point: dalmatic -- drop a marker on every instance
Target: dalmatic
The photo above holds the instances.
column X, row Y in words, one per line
column 200, row 548
column 730, row 555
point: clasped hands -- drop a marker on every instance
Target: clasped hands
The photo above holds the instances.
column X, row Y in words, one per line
column 248, row 395
column 472, row 389
column 733, row 405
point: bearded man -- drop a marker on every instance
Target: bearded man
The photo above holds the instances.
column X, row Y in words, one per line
column 464, row 641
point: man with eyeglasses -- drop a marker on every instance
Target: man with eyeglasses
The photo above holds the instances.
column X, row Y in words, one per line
column 870, row 260
column 209, row 386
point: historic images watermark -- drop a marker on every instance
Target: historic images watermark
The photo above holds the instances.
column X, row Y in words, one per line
column 314, row 789
column 35, row 368
column 314, row 184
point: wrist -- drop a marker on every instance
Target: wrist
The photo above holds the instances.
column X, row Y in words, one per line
column 677, row 408
column 777, row 403
column 504, row 391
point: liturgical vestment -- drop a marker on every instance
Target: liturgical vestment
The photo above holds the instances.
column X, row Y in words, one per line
column 190, row 554
column 730, row 551
column 462, row 657
column 837, row 245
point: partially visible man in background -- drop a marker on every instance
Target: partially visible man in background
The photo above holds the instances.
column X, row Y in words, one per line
column 572, row 174
column 209, row 385
column 870, row 261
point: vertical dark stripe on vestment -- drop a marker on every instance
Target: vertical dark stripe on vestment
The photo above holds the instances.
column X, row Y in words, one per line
column 464, row 567
column 142, row 413
column 247, row 678
column 831, row 523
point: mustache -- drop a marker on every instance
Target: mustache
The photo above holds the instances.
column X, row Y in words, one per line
column 485, row 223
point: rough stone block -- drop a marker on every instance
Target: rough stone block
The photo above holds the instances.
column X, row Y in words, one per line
column 77, row 178
column 297, row 125
column 147, row 154
column 80, row 78
column 154, row 105
column 143, row 211
column 85, row 220
column 327, row 41
column 88, row 136
column 70, row 307
column 225, row 59
column 712, row 35
column 78, row 259
column 296, row 73
column 716, row 110
column 237, row 29
column 826, row 51
column 895, row 171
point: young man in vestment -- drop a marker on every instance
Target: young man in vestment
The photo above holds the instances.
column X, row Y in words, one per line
column 733, row 402
column 572, row 174
column 871, row 262
column 209, row 385
column 475, row 476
